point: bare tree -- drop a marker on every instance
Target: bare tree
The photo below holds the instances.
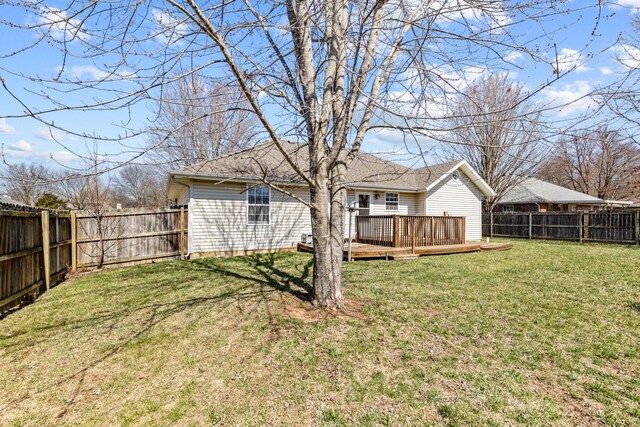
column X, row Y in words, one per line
column 199, row 118
column 320, row 73
column 622, row 97
column 87, row 189
column 599, row 163
column 138, row 186
column 498, row 131
column 26, row 182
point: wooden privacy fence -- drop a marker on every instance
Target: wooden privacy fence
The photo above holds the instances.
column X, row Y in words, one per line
column 400, row 231
column 35, row 253
column 129, row 237
column 37, row 249
column 604, row 226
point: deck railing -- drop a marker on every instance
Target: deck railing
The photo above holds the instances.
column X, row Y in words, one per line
column 404, row 231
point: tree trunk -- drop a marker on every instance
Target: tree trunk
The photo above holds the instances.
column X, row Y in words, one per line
column 328, row 240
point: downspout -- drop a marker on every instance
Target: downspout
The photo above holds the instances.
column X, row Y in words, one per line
column 189, row 221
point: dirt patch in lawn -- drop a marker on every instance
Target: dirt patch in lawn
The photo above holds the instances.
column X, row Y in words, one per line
column 296, row 307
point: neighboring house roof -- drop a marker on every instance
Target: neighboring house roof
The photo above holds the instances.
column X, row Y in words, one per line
column 266, row 162
column 533, row 190
column 6, row 200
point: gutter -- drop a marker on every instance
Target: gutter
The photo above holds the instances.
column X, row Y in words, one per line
column 225, row 179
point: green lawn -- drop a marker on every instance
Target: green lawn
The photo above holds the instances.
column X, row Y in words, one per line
column 547, row 333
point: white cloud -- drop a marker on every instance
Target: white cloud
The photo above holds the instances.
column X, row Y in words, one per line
column 23, row 150
column 571, row 59
column 491, row 13
column 457, row 80
column 606, row 71
column 80, row 71
column 6, row 128
column 513, row 56
column 628, row 55
column 93, row 73
column 633, row 5
column 57, row 23
column 570, row 98
column 171, row 30
column 22, row 146
column 49, row 134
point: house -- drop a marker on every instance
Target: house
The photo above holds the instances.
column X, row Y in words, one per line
column 231, row 210
column 7, row 202
column 535, row 195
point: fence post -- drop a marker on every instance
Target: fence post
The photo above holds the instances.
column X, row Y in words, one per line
column 181, row 232
column 637, row 227
column 585, row 226
column 580, row 228
column 530, row 224
column 57, row 243
column 74, row 243
column 491, row 232
column 45, row 248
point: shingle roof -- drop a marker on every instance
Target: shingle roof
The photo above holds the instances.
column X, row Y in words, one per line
column 533, row 190
column 265, row 161
column 6, row 200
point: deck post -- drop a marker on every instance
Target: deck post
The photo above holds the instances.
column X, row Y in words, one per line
column 491, row 232
column 464, row 230
column 396, row 231
column 433, row 232
column 350, row 221
column 413, row 236
column 46, row 254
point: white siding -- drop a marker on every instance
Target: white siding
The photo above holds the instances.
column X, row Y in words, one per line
column 408, row 205
column 218, row 215
column 421, row 203
column 458, row 198
column 183, row 199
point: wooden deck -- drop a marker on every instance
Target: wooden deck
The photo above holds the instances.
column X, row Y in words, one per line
column 364, row 251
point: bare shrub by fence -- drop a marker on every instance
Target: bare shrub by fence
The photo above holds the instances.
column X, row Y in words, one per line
column 37, row 249
column 131, row 237
column 604, row 226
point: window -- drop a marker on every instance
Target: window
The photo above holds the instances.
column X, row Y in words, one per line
column 258, row 204
column 391, row 201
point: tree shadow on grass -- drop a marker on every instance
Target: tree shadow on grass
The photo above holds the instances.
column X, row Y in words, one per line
column 262, row 269
column 258, row 277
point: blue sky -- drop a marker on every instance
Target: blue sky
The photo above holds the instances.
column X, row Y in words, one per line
column 28, row 140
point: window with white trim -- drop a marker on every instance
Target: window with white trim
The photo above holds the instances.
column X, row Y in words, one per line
column 391, row 201
column 258, row 204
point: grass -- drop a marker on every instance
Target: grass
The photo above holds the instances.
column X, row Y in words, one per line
column 547, row 333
